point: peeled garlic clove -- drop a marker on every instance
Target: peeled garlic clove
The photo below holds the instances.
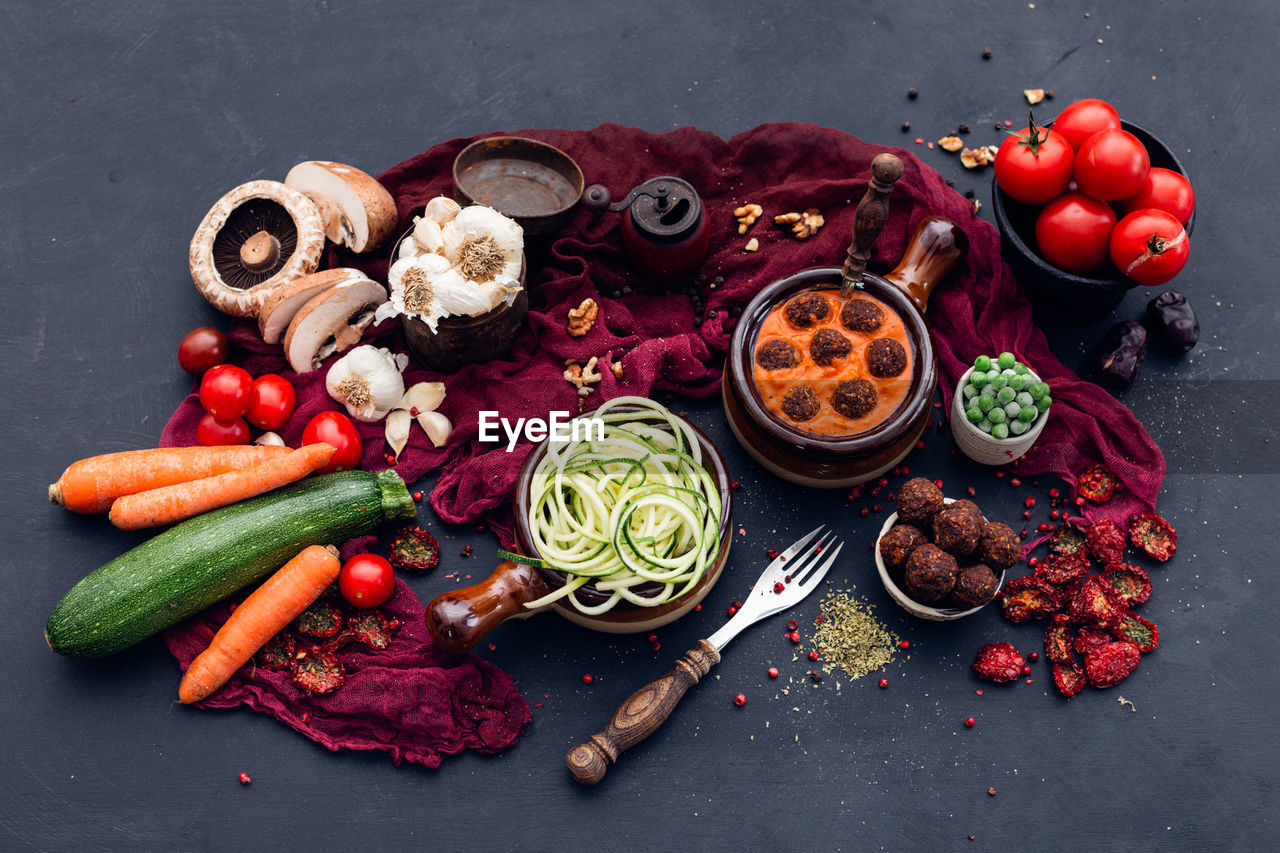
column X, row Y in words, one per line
column 398, row 430
column 270, row 439
column 427, row 235
column 441, row 209
column 436, row 426
column 425, row 397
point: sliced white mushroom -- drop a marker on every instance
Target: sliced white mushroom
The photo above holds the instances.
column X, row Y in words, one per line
column 286, row 300
column 436, row 426
column 331, row 322
column 358, row 211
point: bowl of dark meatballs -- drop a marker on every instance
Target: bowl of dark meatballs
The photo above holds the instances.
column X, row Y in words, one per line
column 940, row 558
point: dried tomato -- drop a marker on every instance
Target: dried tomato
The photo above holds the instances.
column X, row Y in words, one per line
column 999, row 662
column 1061, row 569
column 1153, row 535
column 1106, row 542
column 1098, row 483
column 1026, row 598
column 1134, row 629
column 277, row 654
column 1129, row 581
column 1096, row 603
column 317, row 672
column 414, row 549
column 1057, row 639
column 1069, row 678
column 370, row 627
column 321, row 620
column 1090, row 638
column 1068, row 538
column 1109, row 665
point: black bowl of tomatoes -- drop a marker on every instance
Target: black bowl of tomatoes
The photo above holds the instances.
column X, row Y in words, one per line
column 1090, row 211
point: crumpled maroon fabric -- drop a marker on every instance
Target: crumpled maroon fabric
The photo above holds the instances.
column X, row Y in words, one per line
column 783, row 167
column 409, row 700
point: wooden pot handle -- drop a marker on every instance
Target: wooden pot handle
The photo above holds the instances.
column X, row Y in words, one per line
column 869, row 219
column 936, row 248
column 459, row 619
column 640, row 715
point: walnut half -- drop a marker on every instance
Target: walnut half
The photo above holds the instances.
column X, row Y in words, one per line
column 803, row 225
column 582, row 318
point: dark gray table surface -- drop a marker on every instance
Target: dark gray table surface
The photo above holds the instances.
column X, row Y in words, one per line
column 120, row 125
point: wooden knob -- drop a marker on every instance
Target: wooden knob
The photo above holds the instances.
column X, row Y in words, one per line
column 640, row 715
column 459, row 619
column 260, row 252
column 869, row 219
column 936, row 248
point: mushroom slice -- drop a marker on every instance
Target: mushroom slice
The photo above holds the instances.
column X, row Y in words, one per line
column 358, row 211
column 254, row 239
column 286, row 300
column 331, row 323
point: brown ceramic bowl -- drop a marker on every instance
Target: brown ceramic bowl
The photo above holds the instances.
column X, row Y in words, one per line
column 534, row 183
column 839, row 461
column 459, row 619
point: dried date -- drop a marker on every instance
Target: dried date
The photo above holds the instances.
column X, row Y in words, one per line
column 1121, row 352
column 1170, row 316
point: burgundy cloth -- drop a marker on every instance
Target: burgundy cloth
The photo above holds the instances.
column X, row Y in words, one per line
column 409, row 699
column 978, row 309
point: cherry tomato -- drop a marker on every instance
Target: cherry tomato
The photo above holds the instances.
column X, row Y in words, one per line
column 1150, row 246
column 1166, row 190
column 1111, row 165
column 337, row 429
column 1033, row 166
column 1078, row 121
column 201, row 349
column 211, row 432
column 1074, row 232
column 273, row 402
column 226, row 391
column 366, row 580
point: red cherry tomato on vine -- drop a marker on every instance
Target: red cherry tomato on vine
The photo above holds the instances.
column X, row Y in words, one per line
column 1078, row 121
column 1166, row 190
column 336, row 429
column 226, row 391
column 273, row 402
column 366, row 580
column 1150, row 246
column 211, row 432
column 1074, row 232
column 1111, row 165
column 201, row 349
column 1033, row 166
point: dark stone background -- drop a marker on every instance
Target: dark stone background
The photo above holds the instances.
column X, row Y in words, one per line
column 121, row 124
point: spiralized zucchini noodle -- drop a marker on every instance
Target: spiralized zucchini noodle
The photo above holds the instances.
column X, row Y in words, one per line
column 636, row 506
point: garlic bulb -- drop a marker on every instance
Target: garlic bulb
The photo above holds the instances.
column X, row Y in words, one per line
column 484, row 245
column 367, row 381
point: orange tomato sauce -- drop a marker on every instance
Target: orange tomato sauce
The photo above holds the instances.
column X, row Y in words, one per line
column 773, row 385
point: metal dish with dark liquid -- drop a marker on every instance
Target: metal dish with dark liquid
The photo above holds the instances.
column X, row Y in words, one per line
column 459, row 619
column 825, row 460
column 534, row 183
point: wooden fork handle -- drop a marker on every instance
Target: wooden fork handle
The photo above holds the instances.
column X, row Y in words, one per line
column 640, row 715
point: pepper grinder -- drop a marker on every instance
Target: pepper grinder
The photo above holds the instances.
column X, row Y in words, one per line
column 665, row 229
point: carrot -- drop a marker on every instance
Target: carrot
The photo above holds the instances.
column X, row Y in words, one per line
column 266, row 611
column 168, row 504
column 93, row 484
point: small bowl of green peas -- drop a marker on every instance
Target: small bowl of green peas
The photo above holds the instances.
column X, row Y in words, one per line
column 999, row 410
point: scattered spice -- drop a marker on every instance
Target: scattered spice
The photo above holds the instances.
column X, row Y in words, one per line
column 740, row 700
column 587, row 678
column 969, row 722
column 244, row 778
column 773, row 672
column 849, row 637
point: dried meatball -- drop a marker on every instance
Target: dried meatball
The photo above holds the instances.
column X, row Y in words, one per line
column 828, row 345
column 975, row 586
column 854, row 398
column 862, row 315
column 777, row 354
column 957, row 528
column 896, row 546
column 931, row 574
column 806, row 309
column 800, row 404
column 999, row 547
column 886, row 358
column 918, row 500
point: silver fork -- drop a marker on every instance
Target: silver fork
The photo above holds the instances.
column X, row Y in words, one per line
column 791, row 576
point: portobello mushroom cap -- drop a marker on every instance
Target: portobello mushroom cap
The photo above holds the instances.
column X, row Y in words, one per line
column 358, row 211
column 331, row 322
column 280, row 306
column 255, row 238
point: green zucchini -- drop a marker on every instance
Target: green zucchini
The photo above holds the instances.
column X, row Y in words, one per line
column 207, row 558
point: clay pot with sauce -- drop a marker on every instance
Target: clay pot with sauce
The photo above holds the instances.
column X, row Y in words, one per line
column 829, row 449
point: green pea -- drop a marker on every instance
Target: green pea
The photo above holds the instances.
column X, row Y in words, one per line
column 1043, row 403
column 1006, row 395
column 985, row 426
column 982, row 363
column 992, row 374
column 1021, row 369
column 1038, row 390
column 1000, row 431
column 986, row 403
column 1024, row 398
column 969, row 391
column 974, row 415
column 977, row 379
column 1027, row 414
column 1018, row 427
column 1018, row 382
column 1013, row 410
column 1006, row 360
column 999, row 381
column 996, row 416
